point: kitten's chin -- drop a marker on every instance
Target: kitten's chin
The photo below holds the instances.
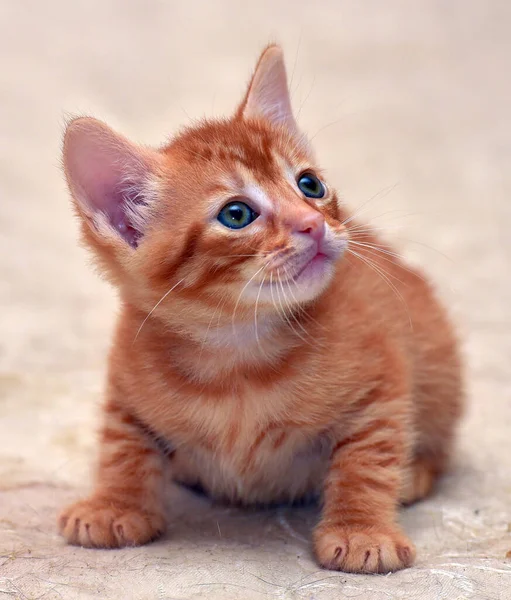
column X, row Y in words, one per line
column 311, row 281
column 314, row 276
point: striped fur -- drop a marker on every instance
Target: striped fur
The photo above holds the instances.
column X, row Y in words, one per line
column 231, row 370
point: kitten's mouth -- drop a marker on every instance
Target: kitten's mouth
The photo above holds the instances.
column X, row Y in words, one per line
column 302, row 276
column 314, row 268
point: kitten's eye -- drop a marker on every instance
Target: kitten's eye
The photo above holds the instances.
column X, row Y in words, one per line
column 311, row 186
column 237, row 215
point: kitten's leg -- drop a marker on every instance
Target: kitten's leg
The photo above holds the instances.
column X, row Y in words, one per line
column 439, row 400
column 420, row 479
column 126, row 507
column 358, row 531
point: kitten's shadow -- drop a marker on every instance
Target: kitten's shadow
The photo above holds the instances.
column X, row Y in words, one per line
column 194, row 517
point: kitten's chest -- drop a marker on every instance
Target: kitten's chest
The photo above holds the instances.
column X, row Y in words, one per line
column 250, row 463
column 267, row 443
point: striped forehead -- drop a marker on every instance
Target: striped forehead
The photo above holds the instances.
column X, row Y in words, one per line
column 255, row 150
column 238, row 179
column 264, row 192
column 260, row 162
column 240, row 182
column 245, row 159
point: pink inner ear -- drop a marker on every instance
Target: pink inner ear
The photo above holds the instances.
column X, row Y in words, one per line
column 268, row 93
column 117, row 209
column 106, row 175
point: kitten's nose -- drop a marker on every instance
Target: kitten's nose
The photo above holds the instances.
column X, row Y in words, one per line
column 313, row 224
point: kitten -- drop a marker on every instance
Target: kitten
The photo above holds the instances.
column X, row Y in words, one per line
column 251, row 356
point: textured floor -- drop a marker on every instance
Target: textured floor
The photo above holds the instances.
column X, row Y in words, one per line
column 409, row 104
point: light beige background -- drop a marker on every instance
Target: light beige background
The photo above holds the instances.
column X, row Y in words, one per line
column 408, row 102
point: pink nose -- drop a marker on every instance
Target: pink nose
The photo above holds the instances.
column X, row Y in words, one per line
column 313, row 224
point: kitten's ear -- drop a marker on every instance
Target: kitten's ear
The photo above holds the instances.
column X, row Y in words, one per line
column 268, row 94
column 112, row 181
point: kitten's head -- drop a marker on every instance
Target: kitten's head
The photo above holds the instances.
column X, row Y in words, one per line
column 230, row 215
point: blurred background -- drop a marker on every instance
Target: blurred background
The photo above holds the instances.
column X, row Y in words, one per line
column 408, row 104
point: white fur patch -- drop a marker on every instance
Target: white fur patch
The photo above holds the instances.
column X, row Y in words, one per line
column 254, row 192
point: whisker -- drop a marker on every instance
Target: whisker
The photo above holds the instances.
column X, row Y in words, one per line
column 284, row 314
column 273, row 299
column 388, row 212
column 329, row 125
column 302, row 310
column 361, row 230
column 306, row 98
column 383, row 275
column 386, row 191
column 375, row 247
column 255, row 312
column 295, row 61
column 374, row 250
column 373, row 262
column 428, row 247
column 155, row 307
column 241, row 293
column 297, row 305
column 218, row 310
column 291, row 311
column 367, row 228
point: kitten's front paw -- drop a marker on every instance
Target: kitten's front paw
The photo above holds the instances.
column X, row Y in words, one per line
column 363, row 550
column 104, row 523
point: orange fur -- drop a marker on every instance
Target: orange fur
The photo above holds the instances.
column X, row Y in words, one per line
column 260, row 384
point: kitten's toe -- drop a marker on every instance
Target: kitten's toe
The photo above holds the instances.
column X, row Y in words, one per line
column 105, row 523
column 363, row 550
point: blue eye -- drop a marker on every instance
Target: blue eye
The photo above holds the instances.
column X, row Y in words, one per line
column 311, row 186
column 236, row 215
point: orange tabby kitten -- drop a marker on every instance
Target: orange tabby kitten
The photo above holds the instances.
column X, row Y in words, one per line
column 251, row 358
